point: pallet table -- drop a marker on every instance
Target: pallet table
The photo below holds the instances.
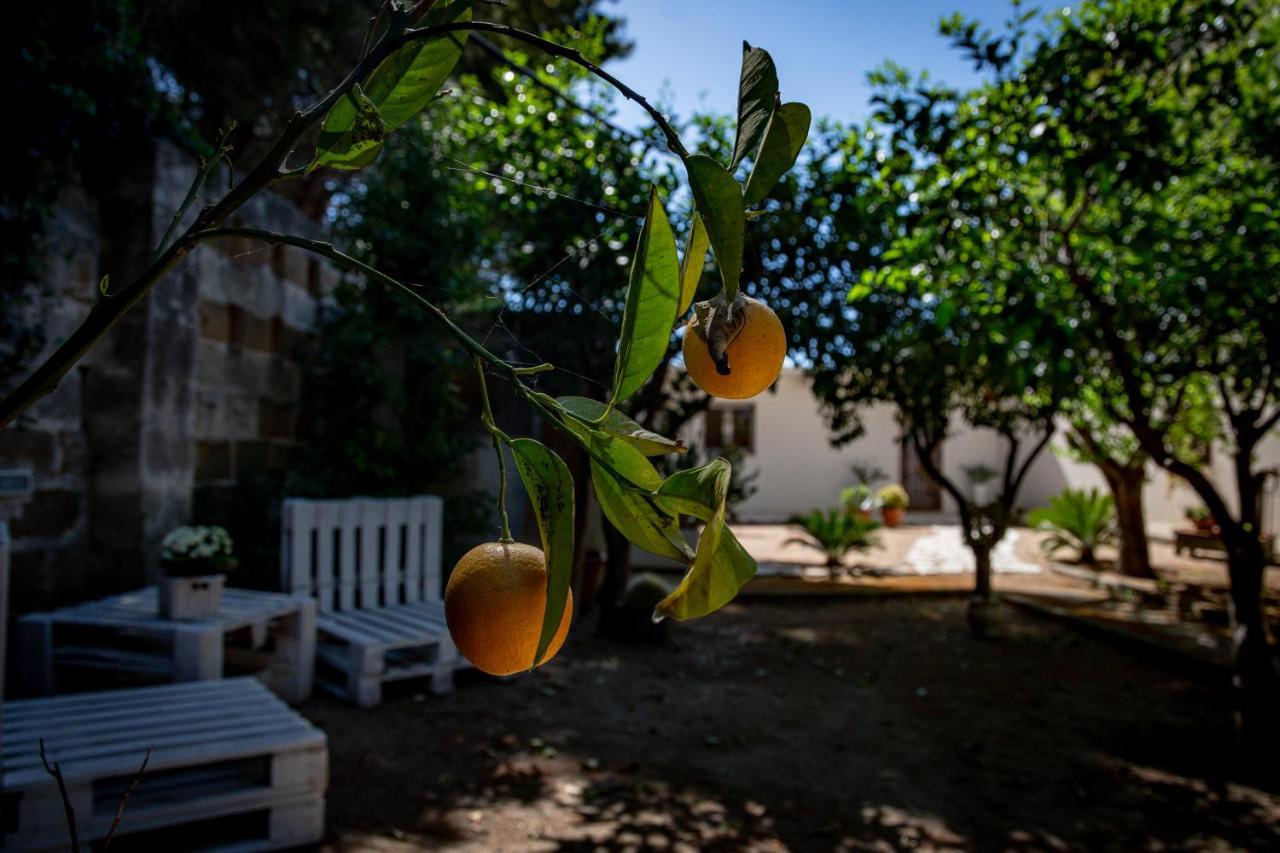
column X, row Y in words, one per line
column 124, row 633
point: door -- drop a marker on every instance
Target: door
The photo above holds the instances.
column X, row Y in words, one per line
column 924, row 493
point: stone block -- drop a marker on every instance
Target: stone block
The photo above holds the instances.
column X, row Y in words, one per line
column 215, row 321
column 50, row 512
column 257, row 333
column 300, row 309
column 211, row 364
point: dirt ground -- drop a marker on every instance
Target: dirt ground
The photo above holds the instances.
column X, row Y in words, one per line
column 847, row 723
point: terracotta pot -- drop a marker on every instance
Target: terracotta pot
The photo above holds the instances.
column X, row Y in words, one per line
column 862, row 515
column 1205, row 524
column 893, row 515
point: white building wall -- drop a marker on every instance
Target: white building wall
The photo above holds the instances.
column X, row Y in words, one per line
column 800, row 470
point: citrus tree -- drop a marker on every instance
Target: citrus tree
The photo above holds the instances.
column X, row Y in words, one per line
column 410, row 51
column 1143, row 139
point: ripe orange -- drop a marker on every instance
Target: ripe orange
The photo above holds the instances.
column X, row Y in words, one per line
column 494, row 603
column 755, row 356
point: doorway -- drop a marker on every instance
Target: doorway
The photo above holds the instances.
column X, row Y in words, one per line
column 923, row 492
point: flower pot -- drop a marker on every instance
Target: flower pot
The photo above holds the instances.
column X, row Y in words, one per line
column 1205, row 524
column 191, row 598
column 892, row 515
column 862, row 514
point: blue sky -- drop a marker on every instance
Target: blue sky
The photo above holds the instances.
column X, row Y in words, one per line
column 823, row 48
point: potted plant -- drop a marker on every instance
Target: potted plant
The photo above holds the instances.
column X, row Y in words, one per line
column 858, row 501
column 981, row 477
column 1201, row 518
column 194, row 561
column 893, row 502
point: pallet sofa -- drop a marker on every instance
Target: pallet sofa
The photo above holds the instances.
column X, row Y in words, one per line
column 232, row 767
column 373, row 566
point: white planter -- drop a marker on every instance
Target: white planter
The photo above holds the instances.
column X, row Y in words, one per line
column 191, row 599
column 982, row 493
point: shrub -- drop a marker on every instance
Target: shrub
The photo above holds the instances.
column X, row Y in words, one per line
column 857, row 498
column 893, row 496
column 1078, row 519
column 835, row 533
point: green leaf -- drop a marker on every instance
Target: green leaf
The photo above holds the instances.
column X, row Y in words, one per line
column 757, row 90
column 721, row 565
column 407, row 80
column 636, row 514
column 352, row 133
column 719, row 201
column 859, row 292
column 550, row 488
column 783, row 138
column 691, row 264
column 617, row 424
column 650, row 311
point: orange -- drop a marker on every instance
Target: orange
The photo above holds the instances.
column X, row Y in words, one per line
column 494, row 604
column 755, row 356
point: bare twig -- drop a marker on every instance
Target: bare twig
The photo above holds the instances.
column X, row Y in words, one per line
column 106, row 842
column 56, row 772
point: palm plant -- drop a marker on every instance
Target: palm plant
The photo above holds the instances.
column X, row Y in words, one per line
column 835, row 533
column 1084, row 520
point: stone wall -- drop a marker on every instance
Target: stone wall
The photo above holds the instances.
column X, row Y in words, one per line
column 197, row 387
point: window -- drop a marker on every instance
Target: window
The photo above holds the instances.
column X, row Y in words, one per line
column 714, row 438
column 744, row 428
column 728, row 427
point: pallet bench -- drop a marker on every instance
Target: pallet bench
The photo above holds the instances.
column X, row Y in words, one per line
column 373, row 566
column 232, row 767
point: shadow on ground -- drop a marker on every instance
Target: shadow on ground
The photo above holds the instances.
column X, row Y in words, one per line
column 805, row 725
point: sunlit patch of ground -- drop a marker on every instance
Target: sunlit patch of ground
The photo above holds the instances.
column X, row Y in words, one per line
column 848, row 724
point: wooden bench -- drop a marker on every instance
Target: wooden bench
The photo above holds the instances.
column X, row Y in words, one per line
column 231, row 768
column 1191, row 541
column 373, row 566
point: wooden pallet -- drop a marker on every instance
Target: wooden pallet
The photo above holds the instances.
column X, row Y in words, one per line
column 125, row 634
column 232, row 767
column 373, row 566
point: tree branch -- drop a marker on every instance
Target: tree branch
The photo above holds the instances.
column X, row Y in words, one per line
column 1026, row 463
column 124, row 801
column 108, row 311
column 555, row 49
column 69, row 810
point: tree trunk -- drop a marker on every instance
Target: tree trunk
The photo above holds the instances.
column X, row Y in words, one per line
column 983, row 613
column 1135, row 551
column 1255, row 682
column 981, row 570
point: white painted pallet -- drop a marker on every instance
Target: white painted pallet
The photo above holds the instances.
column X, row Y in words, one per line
column 373, row 566
column 125, row 633
column 232, row 767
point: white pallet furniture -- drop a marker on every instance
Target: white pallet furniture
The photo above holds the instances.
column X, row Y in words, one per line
column 373, row 566
column 231, row 768
column 125, row 633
